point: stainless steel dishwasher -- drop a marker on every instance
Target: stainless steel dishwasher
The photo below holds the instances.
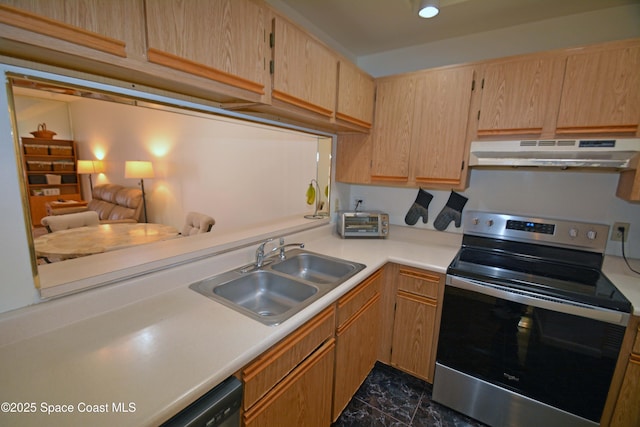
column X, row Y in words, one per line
column 219, row 407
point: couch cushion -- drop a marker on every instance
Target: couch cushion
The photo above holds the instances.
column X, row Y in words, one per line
column 107, row 192
column 101, row 207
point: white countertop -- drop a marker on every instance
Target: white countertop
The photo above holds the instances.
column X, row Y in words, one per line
column 154, row 343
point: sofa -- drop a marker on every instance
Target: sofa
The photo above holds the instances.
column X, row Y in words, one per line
column 113, row 203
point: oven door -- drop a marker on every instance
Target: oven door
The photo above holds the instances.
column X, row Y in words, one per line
column 545, row 350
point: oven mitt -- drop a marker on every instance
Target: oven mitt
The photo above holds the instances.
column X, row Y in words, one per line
column 419, row 208
column 451, row 212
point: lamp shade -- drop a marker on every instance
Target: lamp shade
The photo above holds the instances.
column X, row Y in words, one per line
column 137, row 169
column 90, row 166
column 85, row 167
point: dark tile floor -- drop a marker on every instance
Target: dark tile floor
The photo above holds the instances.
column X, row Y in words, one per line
column 391, row 398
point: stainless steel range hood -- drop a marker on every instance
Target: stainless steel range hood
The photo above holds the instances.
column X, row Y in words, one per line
column 620, row 153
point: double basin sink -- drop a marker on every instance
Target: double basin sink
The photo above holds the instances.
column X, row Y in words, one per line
column 276, row 291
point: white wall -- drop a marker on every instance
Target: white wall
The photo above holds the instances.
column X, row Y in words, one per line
column 237, row 172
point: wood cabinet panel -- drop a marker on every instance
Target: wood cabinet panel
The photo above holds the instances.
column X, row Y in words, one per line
column 353, row 302
column 356, row 352
column 520, row 97
column 356, row 92
column 303, row 398
column 441, row 116
column 392, row 129
column 272, row 366
column 626, row 412
column 353, row 158
column 112, row 27
column 304, row 70
column 601, row 92
column 413, row 334
column 222, row 40
column 419, row 282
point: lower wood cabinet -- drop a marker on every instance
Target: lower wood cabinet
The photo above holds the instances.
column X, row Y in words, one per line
column 626, row 411
column 357, row 339
column 292, row 383
column 416, row 320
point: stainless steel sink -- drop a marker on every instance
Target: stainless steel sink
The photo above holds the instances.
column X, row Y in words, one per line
column 265, row 293
column 315, row 268
column 275, row 292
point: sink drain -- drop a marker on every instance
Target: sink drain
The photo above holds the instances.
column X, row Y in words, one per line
column 266, row 313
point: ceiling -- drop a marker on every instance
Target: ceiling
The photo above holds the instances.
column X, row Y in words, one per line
column 364, row 27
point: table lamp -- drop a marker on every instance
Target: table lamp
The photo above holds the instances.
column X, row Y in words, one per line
column 139, row 170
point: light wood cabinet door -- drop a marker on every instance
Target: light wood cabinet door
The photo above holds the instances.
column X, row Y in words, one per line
column 303, row 398
column 392, row 129
column 601, row 92
column 221, row 40
column 356, row 92
column 304, row 70
column 353, row 158
column 113, row 27
column 357, row 338
column 441, row 115
column 520, row 97
column 413, row 334
column 627, row 411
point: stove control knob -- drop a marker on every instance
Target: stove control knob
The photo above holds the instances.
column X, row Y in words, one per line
column 591, row 235
column 573, row 232
column 475, row 221
column 489, row 223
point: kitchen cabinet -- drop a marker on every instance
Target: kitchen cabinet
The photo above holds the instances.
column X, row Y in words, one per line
column 358, row 320
column 416, row 320
column 392, row 129
column 601, row 91
column 353, row 158
column 221, row 40
column 49, row 166
column 99, row 30
column 626, row 412
column 304, row 71
column 519, row 95
column 420, row 129
column 292, row 383
column 356, row 95
column 629, row 185
column 439, row 144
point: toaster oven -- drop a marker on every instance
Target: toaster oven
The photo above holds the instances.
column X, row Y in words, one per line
column 370, row 224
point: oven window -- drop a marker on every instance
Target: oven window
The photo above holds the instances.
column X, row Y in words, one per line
column 563, row 360
column 362, row 224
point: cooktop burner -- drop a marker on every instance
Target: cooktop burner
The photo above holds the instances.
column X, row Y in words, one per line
column 547, row 257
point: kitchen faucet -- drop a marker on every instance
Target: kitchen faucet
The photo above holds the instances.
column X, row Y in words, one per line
column 260, row 255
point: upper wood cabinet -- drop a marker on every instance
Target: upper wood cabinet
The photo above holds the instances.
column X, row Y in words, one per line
column 392, row 129
column 589, row 91
column 87, row 28
column 304, row 70
column 419, row 136
column 601, row 92
column 517, row 95
column 221, row 40
column 441, row 115
column 356, row 95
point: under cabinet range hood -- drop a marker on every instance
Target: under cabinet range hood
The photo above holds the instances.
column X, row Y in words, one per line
column 602, row 153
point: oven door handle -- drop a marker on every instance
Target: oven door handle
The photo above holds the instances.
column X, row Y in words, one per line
column 546, row 302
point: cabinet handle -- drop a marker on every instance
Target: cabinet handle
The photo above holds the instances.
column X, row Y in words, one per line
column 420, row 276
